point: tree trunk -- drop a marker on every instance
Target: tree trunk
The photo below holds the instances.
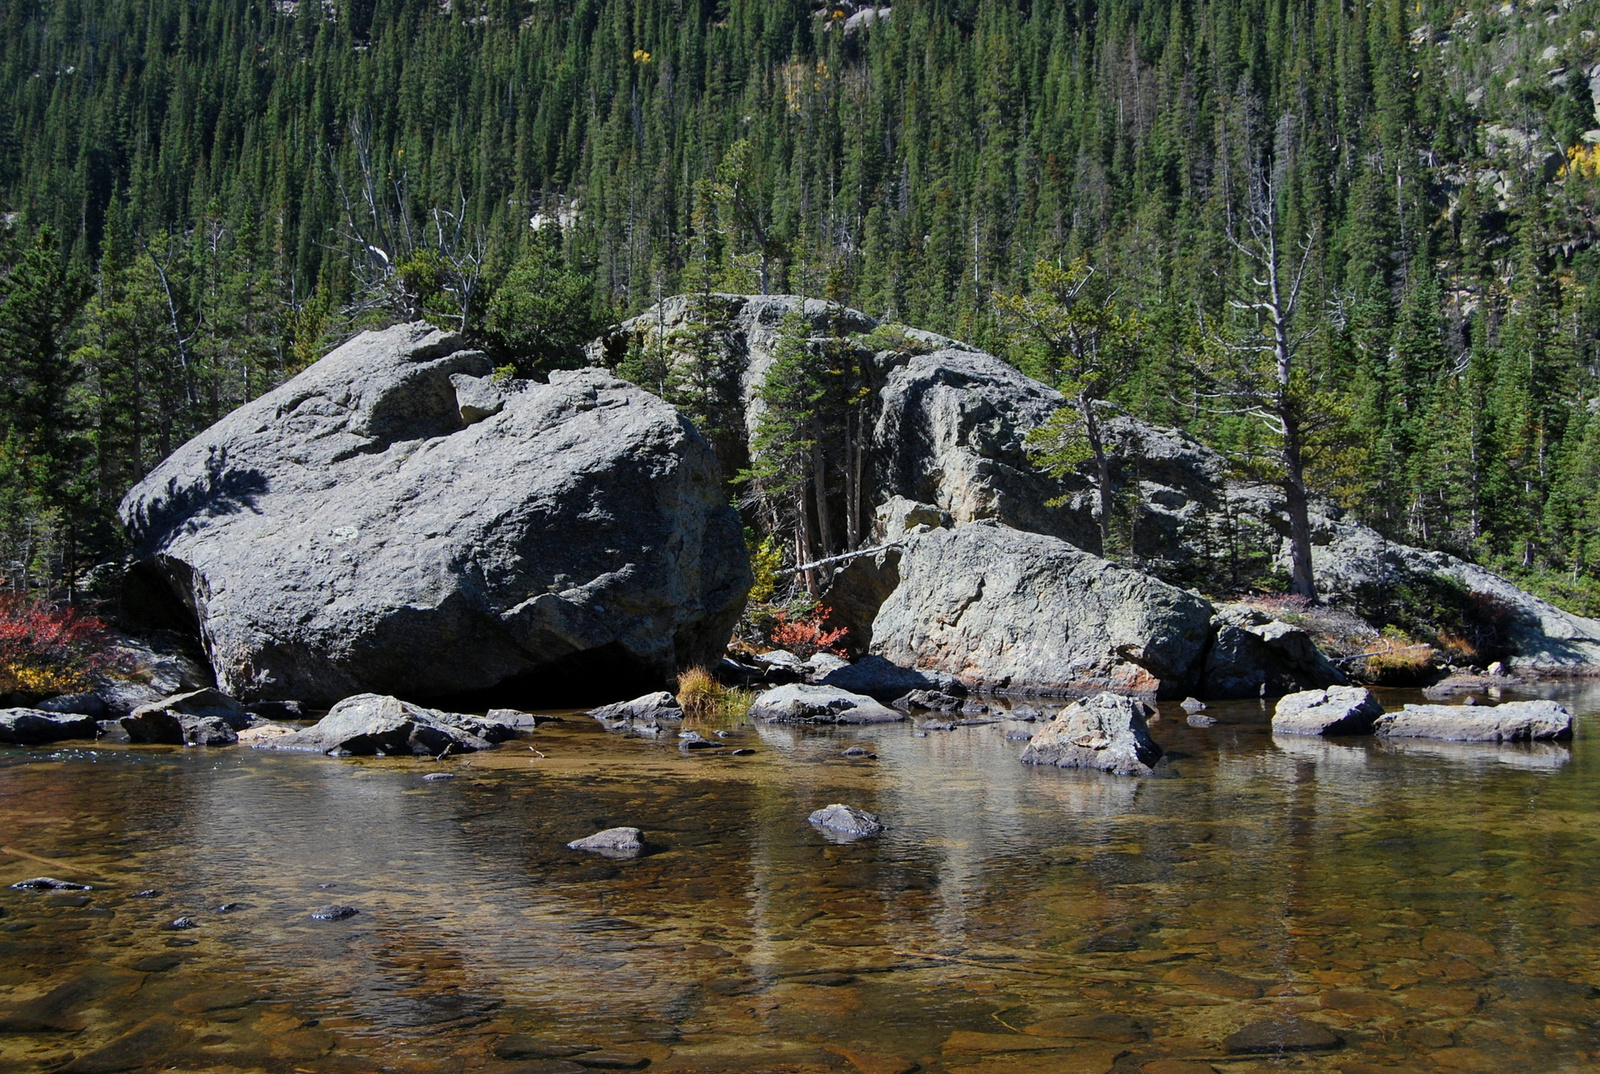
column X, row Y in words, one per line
column 1301, row 581
column 1102, row 466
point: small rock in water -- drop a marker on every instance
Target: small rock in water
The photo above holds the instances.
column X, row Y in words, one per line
column 1287, row 1035
column 846, row 821
column 613, row 843
column 431, row 776
column 1192, row 704
column 230, row 907
column 1198, row 719
column 147, row 893
column 857, row 751
column 334, row 912
column 49, row 883
column 612, row 1061
column 184, row 923
column 527, row 1046
column 935, row 725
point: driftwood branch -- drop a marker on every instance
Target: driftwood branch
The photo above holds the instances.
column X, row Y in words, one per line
column 841, row 558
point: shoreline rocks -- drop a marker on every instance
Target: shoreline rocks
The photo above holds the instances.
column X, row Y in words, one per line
column 39, row 727
column 369, row 724
column 1513, row 721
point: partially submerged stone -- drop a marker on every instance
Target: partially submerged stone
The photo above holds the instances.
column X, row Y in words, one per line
column 642, row 714
column 376, row 724
column 622, row 842
column 1107, row 732
column 1514, row 721
column 37, row 727
column 799, row 703
column 847, row 821
column 1282, row 1035
column 1338, row 710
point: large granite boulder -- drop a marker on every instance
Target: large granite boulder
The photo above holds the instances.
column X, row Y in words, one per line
column 376, row 724
column 1253, row 654
column 381, row 523
column 999, row 607
column 1107, row 732
column 1514, row 721
column 1338, row 710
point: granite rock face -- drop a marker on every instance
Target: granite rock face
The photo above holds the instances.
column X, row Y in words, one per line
column 1000, row 607
column 1253, row 654
column 394, row 519
column 1338, row 710
column 1514, row 721
column 1107, row 732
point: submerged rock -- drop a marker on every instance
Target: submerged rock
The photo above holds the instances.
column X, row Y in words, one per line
column 847, row 820
column 365, row 527
column 1107, row 732
column 37, row 727
column 620, row 842
column 1338, row 710
column 1514, row 721
column 1282, row 1035
column 373, row 723
column 334, row 912
column 49, row 883
column 798, row 703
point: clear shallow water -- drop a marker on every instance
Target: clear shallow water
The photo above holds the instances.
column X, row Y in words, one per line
column 1437, row 906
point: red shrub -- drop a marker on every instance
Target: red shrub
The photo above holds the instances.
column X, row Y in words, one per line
column 46, row 651
column 807, row 635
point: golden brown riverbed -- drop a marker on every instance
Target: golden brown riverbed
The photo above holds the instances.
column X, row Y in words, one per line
column 1434, row 906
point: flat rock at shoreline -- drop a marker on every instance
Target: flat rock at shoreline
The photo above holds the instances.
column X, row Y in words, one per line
column 798, row 703
column 376, row 724
column 1338, row 710
column 37, row 727
column 1514, row 721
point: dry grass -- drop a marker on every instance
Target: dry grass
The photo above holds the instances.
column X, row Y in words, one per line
column 706, row 700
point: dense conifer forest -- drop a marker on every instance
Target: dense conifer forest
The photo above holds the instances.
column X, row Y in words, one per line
column 1395, row 202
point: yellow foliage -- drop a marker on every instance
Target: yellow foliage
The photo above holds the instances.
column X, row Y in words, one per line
column 640, row 56
column 1583, row 160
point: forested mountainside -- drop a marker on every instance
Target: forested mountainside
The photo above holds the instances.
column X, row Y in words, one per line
column 200, row 197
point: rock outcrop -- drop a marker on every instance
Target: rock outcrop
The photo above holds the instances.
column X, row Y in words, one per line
column 1514, row 721
column 1253, row 654
column 395, row 519
column 995, row 606
column 642, row 715
column 1338, row 710
column 374, row 724
column 1106, row 732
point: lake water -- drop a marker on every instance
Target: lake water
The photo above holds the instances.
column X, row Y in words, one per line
column 1434, row 906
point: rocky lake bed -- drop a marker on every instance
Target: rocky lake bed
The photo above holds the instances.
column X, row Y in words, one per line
column 1255, row 901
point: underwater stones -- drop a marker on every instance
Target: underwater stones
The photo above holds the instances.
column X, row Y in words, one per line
column 1279, row 1036
column 846, row 821
column 1107, row 732
column 49, row 883
column 620, row 842
column 334, row 912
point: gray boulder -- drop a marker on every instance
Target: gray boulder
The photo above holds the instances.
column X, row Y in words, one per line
column 997, row 607
column 1107, row 732
column 88, row 703
column 799, row 703
column 847, row 821
column 205, row 717
column 374, row 724
column 1338, row 710
column 612, row 843
column 1514, row 721
column 38, row 727
column 642, row 714
column 1251, row 650
column 884, row 680
column 367, row 526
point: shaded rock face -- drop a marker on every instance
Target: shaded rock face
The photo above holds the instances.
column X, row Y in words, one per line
column 1339, row 710
column 388, row 521
column 1253, row 654
column 1106, row 732
column 37, row 727
column 371, row 723
column 1514, row 721
column 995, row 606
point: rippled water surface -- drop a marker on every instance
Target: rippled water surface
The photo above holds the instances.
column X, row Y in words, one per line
column 1434, row 906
